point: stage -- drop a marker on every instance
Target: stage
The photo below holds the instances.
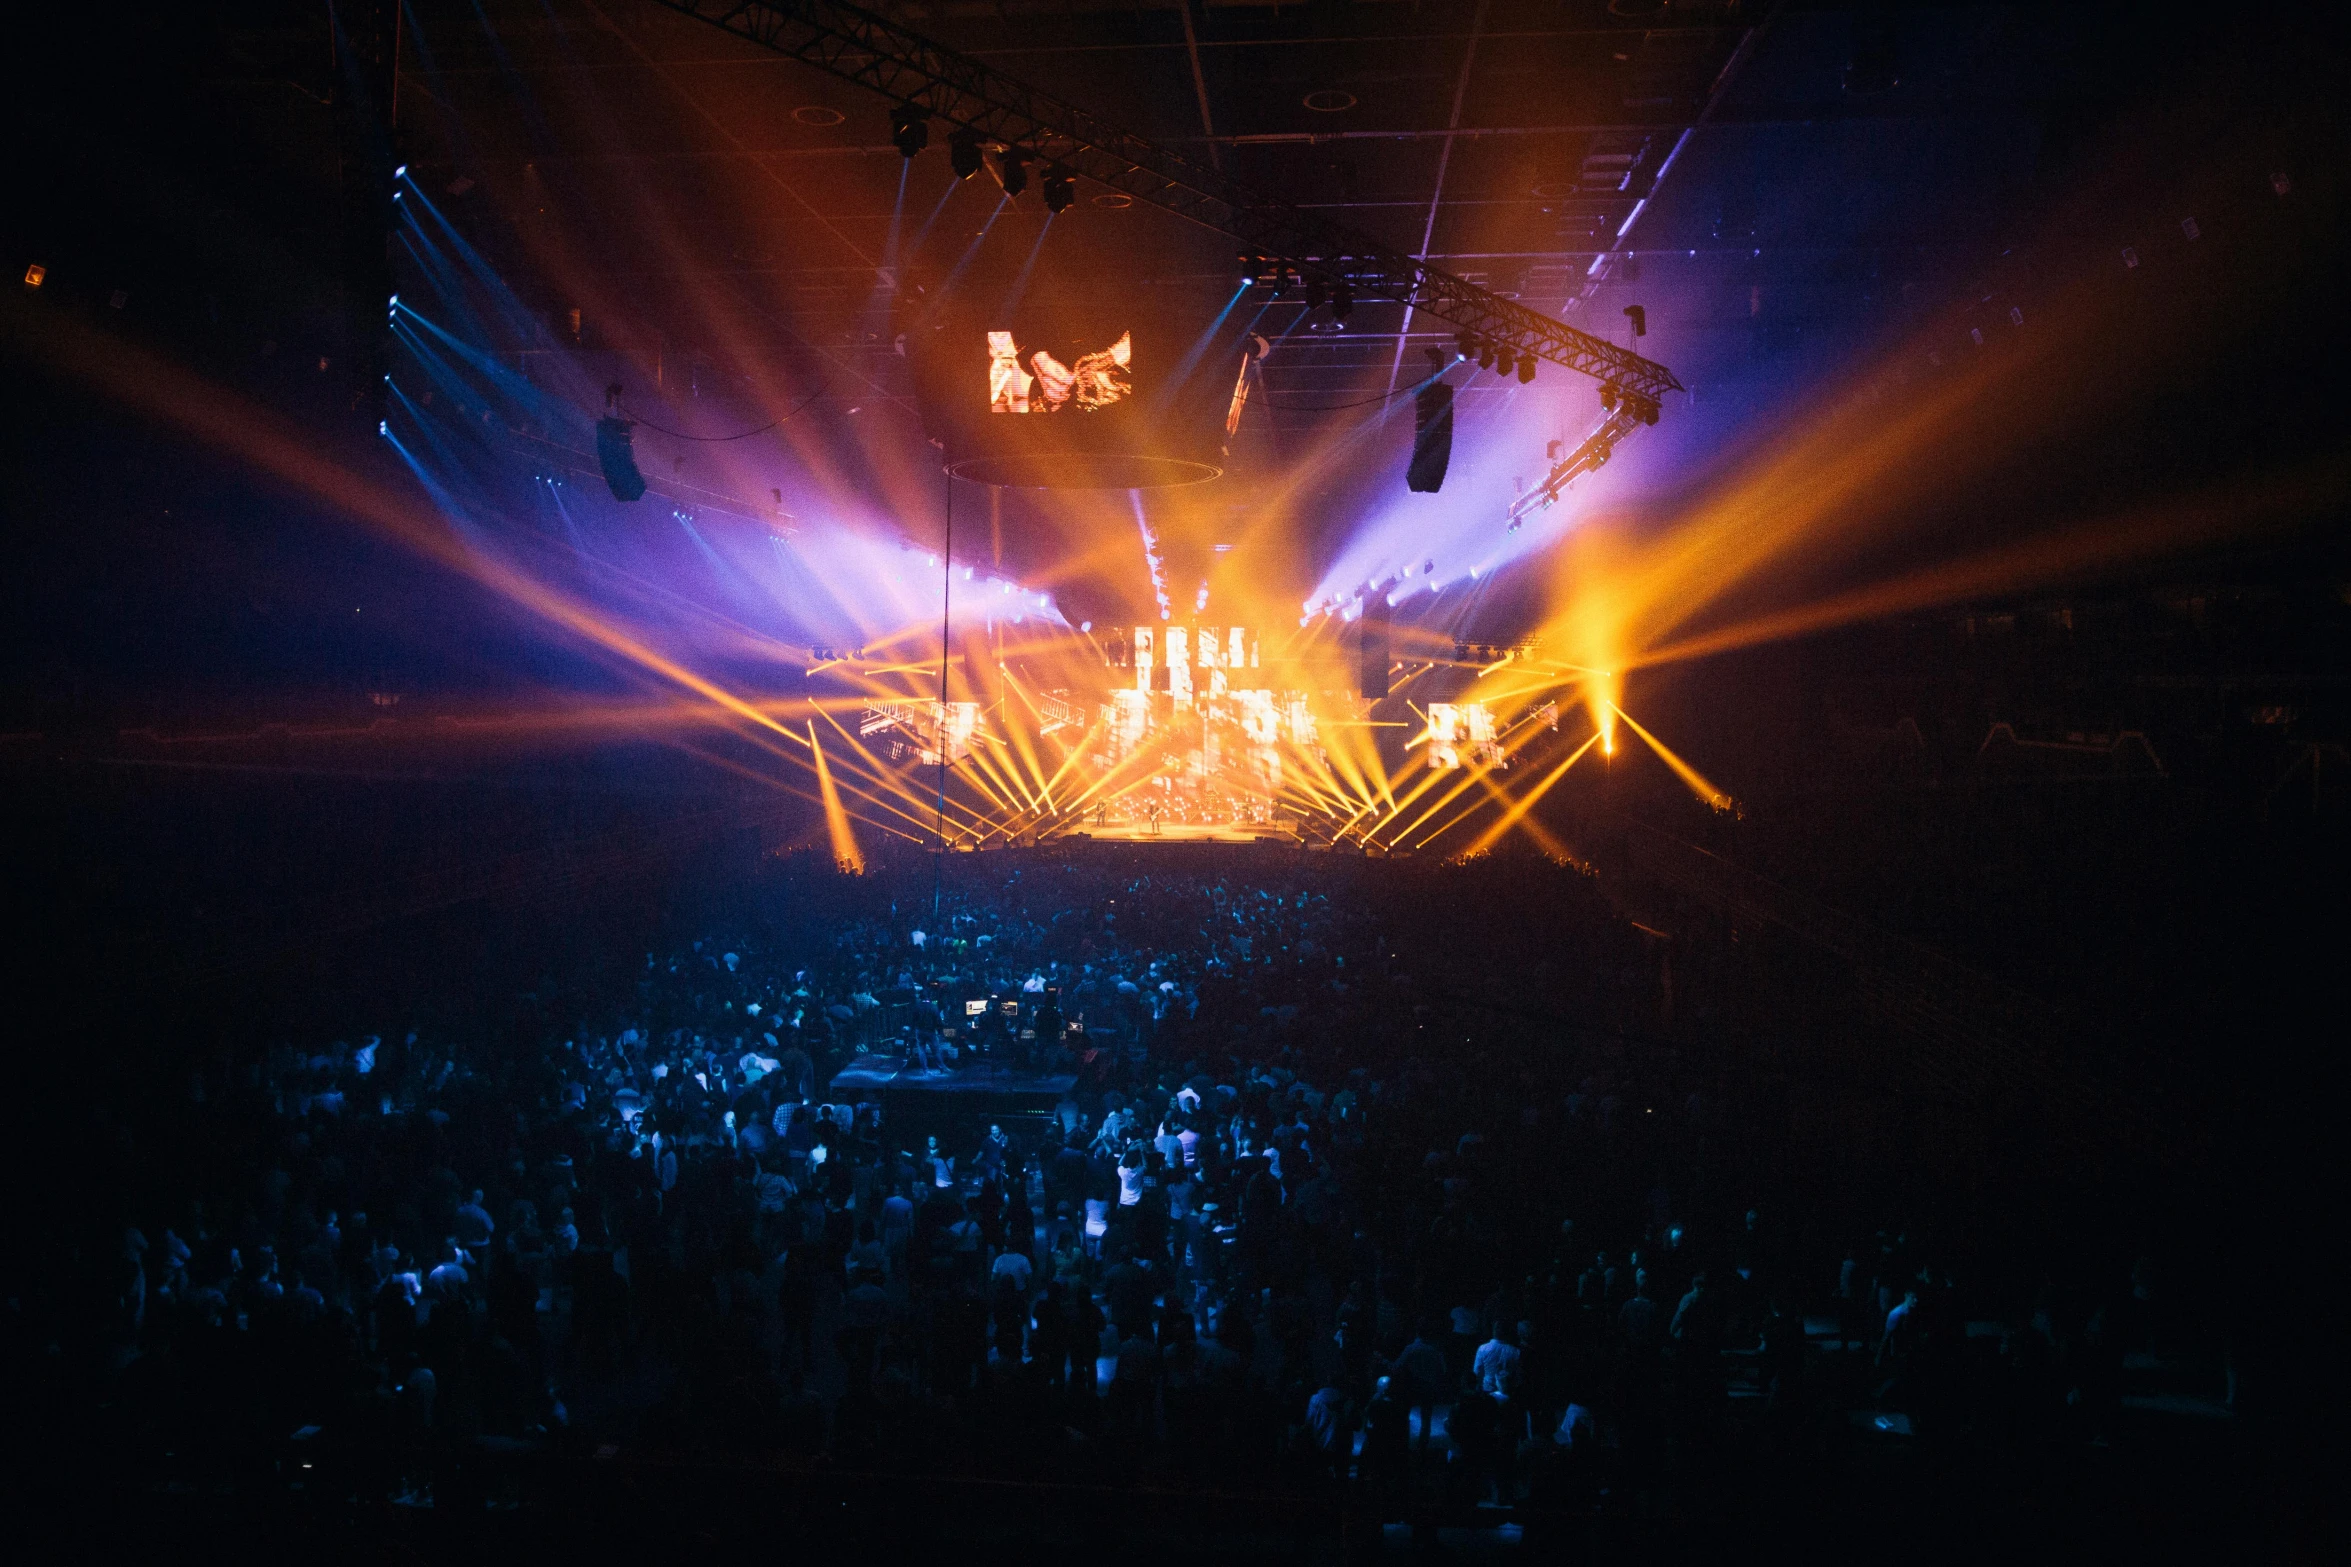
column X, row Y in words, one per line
column 1184, row 832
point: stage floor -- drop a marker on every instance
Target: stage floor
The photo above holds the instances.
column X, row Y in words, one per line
column 1186, row 832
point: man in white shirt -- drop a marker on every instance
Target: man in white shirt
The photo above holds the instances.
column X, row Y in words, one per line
column 1014, row 1267
column 1496, row 1365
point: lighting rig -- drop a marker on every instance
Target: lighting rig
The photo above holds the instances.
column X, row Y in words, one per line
column 931, row 81
column 1621, row 413
column 1334, row 292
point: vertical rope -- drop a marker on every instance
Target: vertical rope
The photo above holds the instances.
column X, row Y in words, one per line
column 946, row 641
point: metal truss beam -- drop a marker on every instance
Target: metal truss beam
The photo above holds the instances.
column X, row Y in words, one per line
column 858, row 46
column 1593, row 451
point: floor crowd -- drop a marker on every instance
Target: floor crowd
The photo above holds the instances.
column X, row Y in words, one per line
column 1435, row 1184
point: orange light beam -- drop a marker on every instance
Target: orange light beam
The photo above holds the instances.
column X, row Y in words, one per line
column 1028, row 753
column 993, row 785
column 880, row 776
column 1526, row 801
column 234, row 423
column 1689, row 775
column 1076, row 754
column 836, row 820
column 1018, row 750
column 1470, row 777
column 1430, row 778
column 2030, row 563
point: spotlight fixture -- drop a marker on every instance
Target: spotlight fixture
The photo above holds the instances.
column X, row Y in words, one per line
column 1464, row 345
column 1342, row 302
column 1526, row 369
column 910, row 130
column 1639, row 317
column 1504, row 362
column 965, row 154
column 1281, row 280
column 1485, row 355
column 1012, row 167
column 1060, row 189
column 1318, row 293
column 1250, row 265
column 1609, row 395
column 401, row 172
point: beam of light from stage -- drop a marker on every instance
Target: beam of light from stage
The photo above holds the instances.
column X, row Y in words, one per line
column 1527, row 798
column 231, row 423
column 417, row 416
column 930, row 816
column 758, row 165
column 508, row 383
column 1494, row 796
column 1076, row 755
column 836, row 820
column 971, row 251
column 883, row 278
column 1020, row 283
column 1342, row 775
column 1182, row 370
column 1460, row 531
column 1105, row 779
column 1151, row 558
column 1689, row 775
column 2244, row 509
column 1004, row 767
column 769, row 780
column 1471, row 775
column 924, row 233
column 1424, row 778
column 881, row 777
column 986, row 778
column 459, row 273
column 1020, row 738
column 1791, row 540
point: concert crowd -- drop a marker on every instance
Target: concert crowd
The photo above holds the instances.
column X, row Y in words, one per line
column 1424, row 1185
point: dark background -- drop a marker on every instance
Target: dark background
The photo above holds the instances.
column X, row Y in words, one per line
column 207, row 841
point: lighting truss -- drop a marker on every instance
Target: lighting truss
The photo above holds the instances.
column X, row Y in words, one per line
column 1619, row 422
column 858, row 46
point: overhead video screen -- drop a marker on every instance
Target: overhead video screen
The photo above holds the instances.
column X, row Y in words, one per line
column 1057, row 378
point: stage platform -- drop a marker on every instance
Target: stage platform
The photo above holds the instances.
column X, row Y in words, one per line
column 1183, row 832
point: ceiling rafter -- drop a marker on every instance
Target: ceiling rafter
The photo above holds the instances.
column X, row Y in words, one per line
column 859, row 46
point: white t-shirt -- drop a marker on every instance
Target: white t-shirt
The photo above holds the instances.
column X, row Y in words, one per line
column 1497, row 1368
column 1015, row 1266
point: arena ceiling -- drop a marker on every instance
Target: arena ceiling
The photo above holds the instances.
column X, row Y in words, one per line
column 1753, row 173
